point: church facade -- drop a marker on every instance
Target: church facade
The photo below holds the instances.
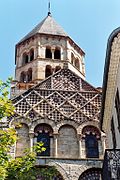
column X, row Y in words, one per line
column 56, row 105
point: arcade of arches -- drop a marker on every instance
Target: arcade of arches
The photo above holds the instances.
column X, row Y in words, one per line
column 65, row 144
column 66, row 141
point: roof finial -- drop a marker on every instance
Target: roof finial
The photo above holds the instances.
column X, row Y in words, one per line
column 49, row 13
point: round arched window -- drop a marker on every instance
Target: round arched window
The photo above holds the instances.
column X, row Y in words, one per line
column 57, row 54
column 43, row 133
column 31, row 54
column 48, row 71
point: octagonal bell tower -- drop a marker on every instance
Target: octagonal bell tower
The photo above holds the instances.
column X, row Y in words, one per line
column 44, row 51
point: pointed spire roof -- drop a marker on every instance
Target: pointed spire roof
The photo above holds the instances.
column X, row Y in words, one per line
column 47, row 26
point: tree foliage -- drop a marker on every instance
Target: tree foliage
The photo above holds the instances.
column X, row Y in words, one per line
column 6, row 107
column 22, row 168
column 7, row 136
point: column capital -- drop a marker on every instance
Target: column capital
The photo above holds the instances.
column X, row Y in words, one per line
column 31, row 134
column 103, row 135
column 52, row 49
column 55, row 134
column 79, row 136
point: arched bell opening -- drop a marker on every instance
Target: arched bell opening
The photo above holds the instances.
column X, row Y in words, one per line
column 48, row 53
column 90, row 174
column 23, row 77
column 25, row 58
column 44, row 133
column 57, row 54
column 77, row 63
column 29, row 74
column 48, row 71
column 31, row 54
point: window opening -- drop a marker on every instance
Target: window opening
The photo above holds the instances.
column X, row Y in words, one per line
column 43, row 133
column 77, row 63
column 25, row 58
column 91, row 144
column 31, row 54
column 29, row 75
column 48, row 71
column 22, row 77
column 45, row 138
column 57, row 54
column 48, row 53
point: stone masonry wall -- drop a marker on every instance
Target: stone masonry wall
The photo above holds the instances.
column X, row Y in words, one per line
column 67, row 142
column 23, row 140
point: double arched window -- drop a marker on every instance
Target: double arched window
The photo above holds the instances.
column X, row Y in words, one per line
column 55, row 53
column 49, row 70
column 75, row 61
column 26, row 76
column 27, row 57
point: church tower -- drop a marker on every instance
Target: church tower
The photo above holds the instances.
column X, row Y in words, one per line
column 44, row 51
column 56, row 105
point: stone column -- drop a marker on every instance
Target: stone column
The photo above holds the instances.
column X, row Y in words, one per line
column 103, row 137
column 62, row 54
column 38, row 50
column 51, row 146
column 80, row 146
column 29, row 57
column 52, row 50
column 55, row 145
column 31, row 135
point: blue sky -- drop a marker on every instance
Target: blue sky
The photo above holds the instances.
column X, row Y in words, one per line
column 88, row 23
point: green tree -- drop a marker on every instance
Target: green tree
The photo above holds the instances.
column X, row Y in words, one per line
column 7, row 136
column 6, row 107
column 22, row 168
